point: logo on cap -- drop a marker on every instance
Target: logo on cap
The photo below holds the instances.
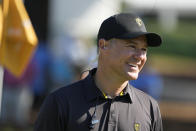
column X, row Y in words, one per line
column 138, row 21
column 137, row 126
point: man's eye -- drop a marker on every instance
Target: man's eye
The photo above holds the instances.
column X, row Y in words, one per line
column 144, row 49
column 132, row 46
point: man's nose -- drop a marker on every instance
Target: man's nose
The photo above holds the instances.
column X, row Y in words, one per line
column 139, row 54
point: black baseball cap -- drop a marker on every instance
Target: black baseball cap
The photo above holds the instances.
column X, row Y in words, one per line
column 126, row 26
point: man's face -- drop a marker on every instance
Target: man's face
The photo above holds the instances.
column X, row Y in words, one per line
column 125, row 58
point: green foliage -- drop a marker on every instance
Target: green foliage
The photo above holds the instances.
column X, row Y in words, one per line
column 180, row 42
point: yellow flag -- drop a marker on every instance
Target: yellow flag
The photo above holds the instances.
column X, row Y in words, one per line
column 19, row 39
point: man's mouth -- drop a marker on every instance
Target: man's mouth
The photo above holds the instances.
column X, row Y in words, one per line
column 132, row 65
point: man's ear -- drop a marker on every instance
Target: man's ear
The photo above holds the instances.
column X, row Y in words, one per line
column 103, row 44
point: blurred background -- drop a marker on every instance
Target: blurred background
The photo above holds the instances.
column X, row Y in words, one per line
column 67, row 31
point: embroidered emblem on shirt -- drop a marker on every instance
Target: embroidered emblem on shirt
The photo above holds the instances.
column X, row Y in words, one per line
column 136, row 127
column 138, row 21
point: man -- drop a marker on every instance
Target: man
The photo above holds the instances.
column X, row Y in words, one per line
column 104, row 100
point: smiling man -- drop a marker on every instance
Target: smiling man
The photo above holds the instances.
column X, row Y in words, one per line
column 104, row 100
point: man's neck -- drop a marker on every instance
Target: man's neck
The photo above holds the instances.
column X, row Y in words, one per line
column 109, row 85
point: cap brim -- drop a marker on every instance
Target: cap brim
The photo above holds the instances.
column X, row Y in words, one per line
column 153, row 39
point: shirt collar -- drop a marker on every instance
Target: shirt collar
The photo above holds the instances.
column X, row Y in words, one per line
column 128, row 91
column 92, row 91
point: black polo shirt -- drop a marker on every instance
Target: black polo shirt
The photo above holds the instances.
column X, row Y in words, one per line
column 83, row 107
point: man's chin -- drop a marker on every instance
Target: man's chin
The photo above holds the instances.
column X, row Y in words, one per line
column 133, row 76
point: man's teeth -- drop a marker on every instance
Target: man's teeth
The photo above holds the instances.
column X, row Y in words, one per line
column 133, row 65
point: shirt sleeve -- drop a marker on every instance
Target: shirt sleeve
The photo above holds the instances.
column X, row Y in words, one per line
column 158, row 120
column 49, row 118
